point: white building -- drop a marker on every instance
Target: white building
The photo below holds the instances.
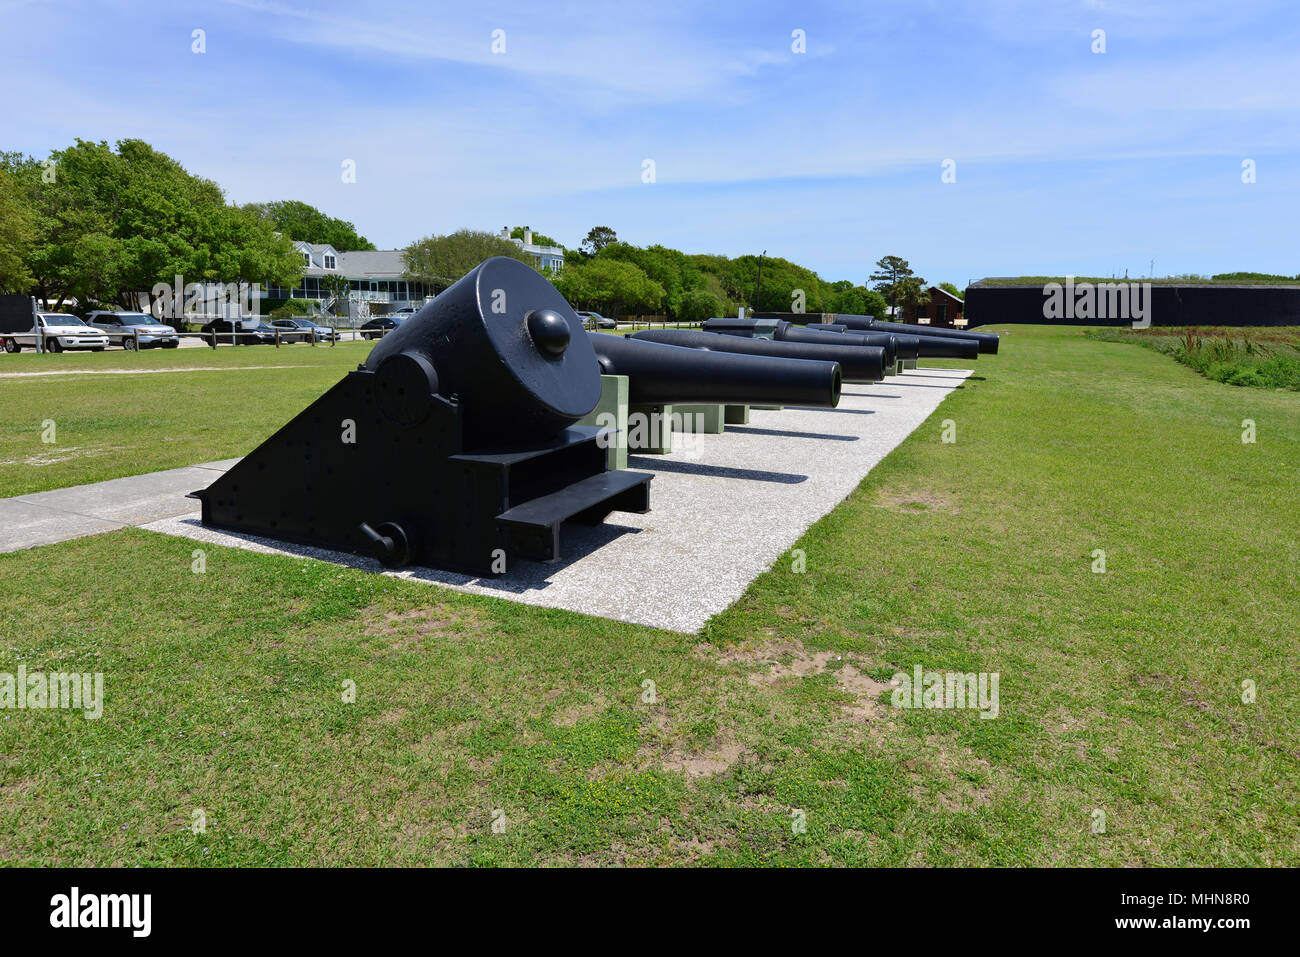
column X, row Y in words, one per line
column 374, row 277
column 544, row 257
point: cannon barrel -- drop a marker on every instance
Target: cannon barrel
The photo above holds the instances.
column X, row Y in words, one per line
column 857, row 363
column 788, row 332
column 988, row 341
column 659, row 374
column 917, row 346
column 826, row 326
column 782, row 331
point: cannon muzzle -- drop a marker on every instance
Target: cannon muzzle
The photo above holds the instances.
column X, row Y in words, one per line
column 988, row 341
column 857, row 363
column 659, row 373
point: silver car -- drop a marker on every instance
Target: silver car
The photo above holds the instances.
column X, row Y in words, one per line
column 126, row 329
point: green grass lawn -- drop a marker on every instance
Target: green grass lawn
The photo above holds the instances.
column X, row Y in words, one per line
column 1120, row 693
column 1265, row 357
column 110, row 425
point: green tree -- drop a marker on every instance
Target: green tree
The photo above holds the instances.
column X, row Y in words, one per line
column 844, row 298
column 697, row 305
column 598, row 237
column 17, row 233
column 337, row 286
column 950, row 287
column 109, row 225
column 440, row 260
column 890, row 272
column 668, row 267
column 609, row 285
column 303, row 223
column 911, row 291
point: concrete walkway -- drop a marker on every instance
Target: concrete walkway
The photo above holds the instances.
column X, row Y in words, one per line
column 43, row 518
column 723, row 509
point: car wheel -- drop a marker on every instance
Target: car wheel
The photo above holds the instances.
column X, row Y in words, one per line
column 128, row 343
column 53, row 345
column 11, row 346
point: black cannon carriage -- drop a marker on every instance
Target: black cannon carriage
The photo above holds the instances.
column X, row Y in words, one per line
column 452, row 446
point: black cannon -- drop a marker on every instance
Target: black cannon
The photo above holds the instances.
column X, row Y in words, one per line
column 781, row 331
column 826, row 326
column 919, row 346
column 452, row 446
column 857, row 363
column 661, row 374
column 988, row 341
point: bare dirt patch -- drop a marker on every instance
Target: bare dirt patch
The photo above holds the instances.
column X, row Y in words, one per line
column 408, row 628
column 578, row 712
column 775, row 662
column 704, row 763
column 914, row 500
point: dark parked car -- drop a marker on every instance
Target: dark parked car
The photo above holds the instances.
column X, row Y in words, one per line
column 379, row 327
column 594, row 320
column 242, row 335
column 303, row 330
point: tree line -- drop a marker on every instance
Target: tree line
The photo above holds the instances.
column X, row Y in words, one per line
column 103, row 225
column 614, row 277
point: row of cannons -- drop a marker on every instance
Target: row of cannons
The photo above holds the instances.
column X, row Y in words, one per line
column 489, row 419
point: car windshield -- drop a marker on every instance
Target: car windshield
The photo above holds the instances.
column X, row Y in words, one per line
column 60, row 319
column 137, row 319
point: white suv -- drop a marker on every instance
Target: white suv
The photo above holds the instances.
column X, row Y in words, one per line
column 58, row 331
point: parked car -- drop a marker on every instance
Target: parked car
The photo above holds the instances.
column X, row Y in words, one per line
column 240, row 333
column 594, row 320
column 59, row 331
column 303, row 330
column 126, row 329
column 406, row 312
column 380, row 326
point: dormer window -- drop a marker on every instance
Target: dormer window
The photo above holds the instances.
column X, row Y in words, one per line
column 306, row 257
column 330, row 262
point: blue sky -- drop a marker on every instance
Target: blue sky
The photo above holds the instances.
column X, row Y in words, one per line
column 1066, row 160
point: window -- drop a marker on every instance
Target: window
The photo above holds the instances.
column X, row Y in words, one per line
column 941, row 312
column 306, row 257
column 329, row 262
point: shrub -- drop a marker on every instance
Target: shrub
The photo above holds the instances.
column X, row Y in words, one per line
column 290, row 308
column 697, row 305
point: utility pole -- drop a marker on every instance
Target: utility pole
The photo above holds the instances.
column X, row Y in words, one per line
column 759, row 287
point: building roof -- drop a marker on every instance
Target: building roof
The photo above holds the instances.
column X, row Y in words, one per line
column 945, row 292
column 373, row 264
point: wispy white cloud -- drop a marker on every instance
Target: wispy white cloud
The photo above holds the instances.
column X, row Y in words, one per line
column 811, row 151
